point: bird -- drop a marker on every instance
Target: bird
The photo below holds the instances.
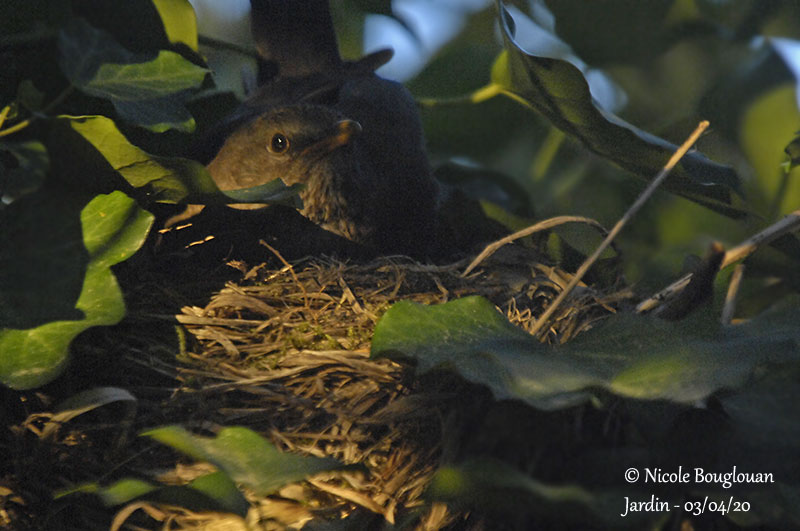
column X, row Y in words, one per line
column 304, row 144
column 352, row 139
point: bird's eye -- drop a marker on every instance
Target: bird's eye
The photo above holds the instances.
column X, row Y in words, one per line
column 279, row 143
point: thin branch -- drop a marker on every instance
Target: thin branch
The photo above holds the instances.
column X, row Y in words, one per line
column 789, row 223
column 542, row 225
column 730, row 298
column 656, row 182
column 4, row 115
column 482, row 94
column 50, row 106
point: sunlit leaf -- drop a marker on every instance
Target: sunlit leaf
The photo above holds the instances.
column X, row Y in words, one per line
column 88, row 240
column 245, row 456
column 180, row 22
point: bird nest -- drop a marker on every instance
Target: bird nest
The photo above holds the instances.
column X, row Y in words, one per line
column 285, row 351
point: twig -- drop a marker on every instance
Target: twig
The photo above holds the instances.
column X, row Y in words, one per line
column 52, row 105
column 730, row 298
column 542, row 225
column 482, row 94
column 656, row 182
column 788, row 224
column 4, row 115
column 286, row 264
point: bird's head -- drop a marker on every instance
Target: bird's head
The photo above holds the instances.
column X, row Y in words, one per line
column 294, row 143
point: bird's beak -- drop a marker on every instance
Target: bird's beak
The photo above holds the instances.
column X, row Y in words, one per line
column 339, row 135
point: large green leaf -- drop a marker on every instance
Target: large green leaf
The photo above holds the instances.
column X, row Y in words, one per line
column 629, row 355
column 56, row 256
column 145, row 91
column 558, row 90
column 245, row 456
column 470, row 336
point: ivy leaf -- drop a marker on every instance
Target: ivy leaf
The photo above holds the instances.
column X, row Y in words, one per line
column 145, row 91
column 245, row 456
column 180, row 21
column 557, row 89
column 32, row 162
column 42, row 315
column 630, row 355
column 471, row 337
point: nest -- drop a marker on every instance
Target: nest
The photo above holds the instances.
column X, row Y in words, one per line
column 285, row 351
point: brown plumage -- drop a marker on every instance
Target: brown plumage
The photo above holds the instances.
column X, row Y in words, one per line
column 304, row 144
column 353, row 139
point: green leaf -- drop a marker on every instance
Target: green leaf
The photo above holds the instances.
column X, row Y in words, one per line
column 245, row 456
column 164, row 179
column 471, row 337
column 165, row 75
column 32, row 164
column 219, row 487
column 122, row 491
column 629, row 355
column 180, row 22
column 53, row 234
column 146, row 91
column 557, row 89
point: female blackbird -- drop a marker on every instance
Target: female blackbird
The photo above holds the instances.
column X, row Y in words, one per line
column 305, row 144
column 353, row 139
